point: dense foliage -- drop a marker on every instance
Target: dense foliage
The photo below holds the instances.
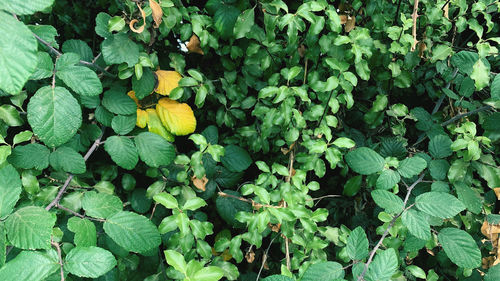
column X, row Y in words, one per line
column 244, row 140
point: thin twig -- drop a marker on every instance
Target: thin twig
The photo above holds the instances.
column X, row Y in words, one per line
column 414, row 16
column 288, row 179
column 59, row 206
column 59, row 195
column 397, row 12
column 264, row 257
column 460, row 116
column 59, row 255
column 254, row 204
column 391, row 224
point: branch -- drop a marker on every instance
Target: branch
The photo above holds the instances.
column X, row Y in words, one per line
column 254, row 204
column 56, row 200
column 460, row 116
column 414, row 16
column 391, row 224
column 59, row 206
column 58, row 248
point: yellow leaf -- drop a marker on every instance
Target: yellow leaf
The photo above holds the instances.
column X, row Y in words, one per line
column 177, row 117
column 142, row 118
column 157, row 12
column 193, row 45
column 132, row 22
column 131, row 94
column 155, row 126
column 167, row 81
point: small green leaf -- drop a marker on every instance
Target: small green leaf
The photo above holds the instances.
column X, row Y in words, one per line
column 68, row 160
column 365, row 161
column 22, row 137
column 244, row 23
column 118, row 48
column 480, row 75
column 417, row 224
column 236, row 159
column 167, row 200
column 387, row 179
column 469, row 197
column 117, row 101
column 460, row 247
column 10, row 115
column 176, row 260
column 123, row 124
column 145, row 85
column 440, row 146
column 85, row 231
column 210, row 273
column 194, row 204
column 101, row 205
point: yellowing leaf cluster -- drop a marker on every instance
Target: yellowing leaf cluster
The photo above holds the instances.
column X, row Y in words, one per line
column 169, row 118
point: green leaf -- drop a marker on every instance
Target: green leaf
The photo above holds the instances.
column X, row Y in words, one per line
column 464, row 61
column 194, row 204
column 167, row 200
column 145, row 85
column 78, row 47
column 30, row 228
column 154, row 150
column 123, row 124
column 493, row 273
column 10, row 190
column 117, row 101
column 387, row 179
column 36, row 266
column 18, row 52
column 495, row 88
column 417, row 224
column 22, row 137
column 54, row 115
column 3, row 245
column 440, row 52
column 176, row 260
column 439, row 204
column 85, row 232
column 133, row 232
column 101, row 25
column 225, row 17
column 209, row 273
column 123, row 151
column 325, row 271
column 101, row 205
column 30, row 156
column 277, row 278
column 388, row 201
column 227, row 207
column 21, row 7
column 80, row 79
column 469, row 197
column 410, row 167
column 439, row 169
column 235, row 158
column 440, row 146
column 68, row 160
column 357, row 245
column 480, row 74
column 10, row 115
column 365, row 161
column 244, row 23
column 90, row 262
column 383, row 266
column 416, row 271
column 118, row 48
column 460, row 247
column 44, row 67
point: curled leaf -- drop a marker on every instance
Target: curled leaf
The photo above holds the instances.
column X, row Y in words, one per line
column 155, row 125
column 177, row 117
column 167, row 81
column 193, row 45
column 157, row 12
column 132, row 22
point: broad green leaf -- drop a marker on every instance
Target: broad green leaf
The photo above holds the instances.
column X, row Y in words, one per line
column 365, row 161
column 117, row 101
column 30, row 156
column 3, row 244
column 357, row 246
column 493, row 273
column 167, row 200
column 439, row 169
column 44, row 67
column 344, row 142
column 480, row 75
column 78, row 47
column 440, row 146
column 464, row 61
column 30, row 266
column 224, row 16
column 18, row 52
column 325, row 271
column 388, row 201
column 54, row 115
column 417, row 224
column 30, row 228
column 416, row 271
column 495, row 88
column 236, row 159
column 133, row 232
column 80, row 79
column 387, row 179
column 90, row 262
column 439, row 204
column 10, row 190
column 101, row 205
column 227, row 207
column 68, row 160
column 145, row 85
column 101, row 25
column 194, row 204
column 123, row 151
column 10, row 115
column 154, row 150
column 123, row 124
column 118, row 48
column 469, row 197
column 410, row 167
column 209, row 273
column 352, row 185
column 277, row 278
column 85, row 232
column 384, row 265
column 441, row 52
column 21, row 7
column 244, row 23
column 460, row 247
column 176, row 260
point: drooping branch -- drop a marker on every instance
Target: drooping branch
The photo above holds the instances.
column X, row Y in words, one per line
column 391, row 224
column 59, row 195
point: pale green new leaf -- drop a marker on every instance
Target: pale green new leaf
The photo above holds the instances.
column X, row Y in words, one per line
column 460, row 247
column 209, row 273
column 244, row 23
column 29, row 266
column 133, row 232
column 30, row 228
column 439, row 204
column 18, row 52
column 10, row 115
column 365, row 161
column 54, row 115
column 176, row 260
column 480, row 75
column 10, row 190
column 123, row 151
column 90, row 262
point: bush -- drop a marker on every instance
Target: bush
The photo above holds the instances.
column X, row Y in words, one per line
column 308, row 140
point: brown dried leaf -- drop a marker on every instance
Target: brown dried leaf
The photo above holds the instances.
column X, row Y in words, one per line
column 350, row 24
column 497, row 192
column 200, row 183
column 445, row 10
column 193, row 45
column 302, row 50
column 421, row 49
column 250, row 256
column 157, row 12
column 343, row 19
column 132, row 22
